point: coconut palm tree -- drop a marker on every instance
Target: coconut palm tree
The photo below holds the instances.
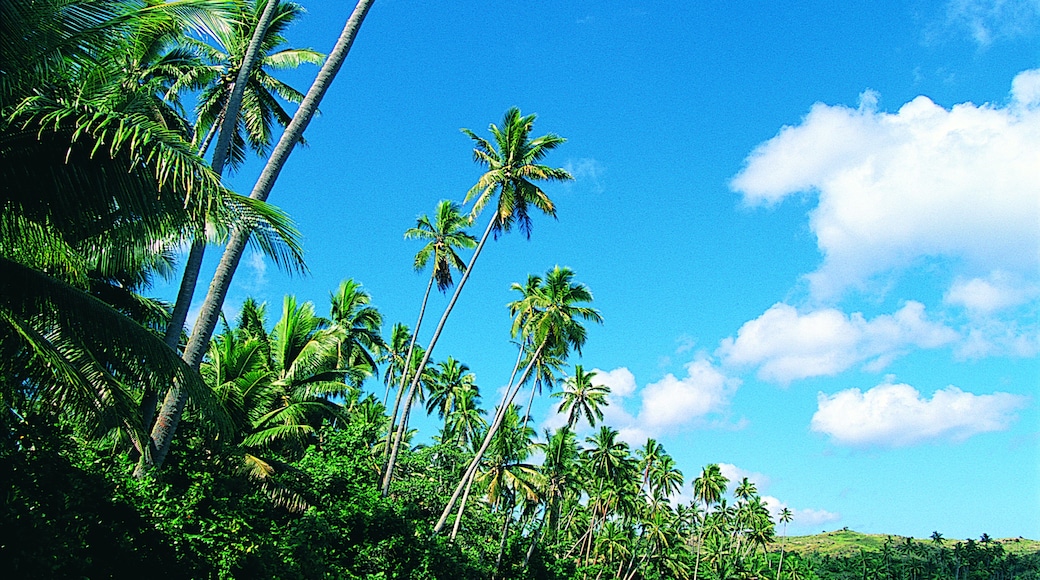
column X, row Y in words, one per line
column 173, row 405
column 444, row 236
column 357, row 324
column 97, row 173
column 707, row 489
column 551, row 319
column 452, row 382
column 514, row 169
column 582, row 398
column 785, row 518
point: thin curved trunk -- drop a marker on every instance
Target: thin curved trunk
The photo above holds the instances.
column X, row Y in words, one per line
column 173, row 405
column 781, row 564
column 469, row 481
column 388, row 474
column 502, row 541
column 472, row 469
column 407, row 366
column 462, row 509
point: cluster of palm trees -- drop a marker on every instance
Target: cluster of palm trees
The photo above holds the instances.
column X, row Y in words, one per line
column 104, row 177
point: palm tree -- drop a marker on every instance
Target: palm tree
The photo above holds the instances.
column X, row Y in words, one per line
column 581, row 397
column 513, row 170
column 785, row 518
column 237, row 75
column 357, row 324
column 559, row 470
column 466, row 418
column 97, row 173
column 608, row 464
column 444, row 235
column 452, row 382
column 173, row 405
column 393, row 356
column 551, row 320
column 708, row 489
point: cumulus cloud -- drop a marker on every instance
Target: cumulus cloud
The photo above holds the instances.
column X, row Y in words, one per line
column 667, row 405
column 788, row 345
column 923, row 182
column 893, row 415
column 998, row 291
column 672, row 402
column 799, row 517
column 735, row 474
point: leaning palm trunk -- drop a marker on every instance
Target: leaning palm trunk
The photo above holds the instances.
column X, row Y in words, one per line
column 193, row 265
column 173, row 405
column 388, row 473
column 469, row 482
column 408, row 364
column 471, row 471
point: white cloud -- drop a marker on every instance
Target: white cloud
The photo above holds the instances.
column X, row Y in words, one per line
column 787, row 345
column 672, row 402
column 924, row 182
column 992, row 337
column 1025, row 88
column 621, row 381
column 999, row 291
column 667, row 405
column 735, row 474
column 893, row 415
column 258, row 269
column 799, row 517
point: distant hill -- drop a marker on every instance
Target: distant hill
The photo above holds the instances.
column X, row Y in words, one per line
column 846, row 542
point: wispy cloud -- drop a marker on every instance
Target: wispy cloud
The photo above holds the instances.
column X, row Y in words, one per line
column 894, row 415
column 989, row 20
column 587, row 172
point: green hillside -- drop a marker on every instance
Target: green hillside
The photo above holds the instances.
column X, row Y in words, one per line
column 846, row 542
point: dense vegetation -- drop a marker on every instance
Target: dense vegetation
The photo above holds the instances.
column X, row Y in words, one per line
column 272, row 449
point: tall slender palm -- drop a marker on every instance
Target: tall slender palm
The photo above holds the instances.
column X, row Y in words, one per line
column 514, row 169
column 236, row 77
column 173, row 405
column 708, row 489
column 582, row 398
column 253, row 127
column 444, row 236
column 552, row 321
column 785, row 518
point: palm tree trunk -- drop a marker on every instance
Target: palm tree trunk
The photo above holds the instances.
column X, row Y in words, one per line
column 502, row 541
column 535, row 535
column 462, row 509
column 173, row 405
column 227, row 122
column 471, row 471
column 389, row 472
column 407, row 366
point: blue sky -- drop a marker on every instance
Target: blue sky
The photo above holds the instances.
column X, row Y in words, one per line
column 813, row 231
